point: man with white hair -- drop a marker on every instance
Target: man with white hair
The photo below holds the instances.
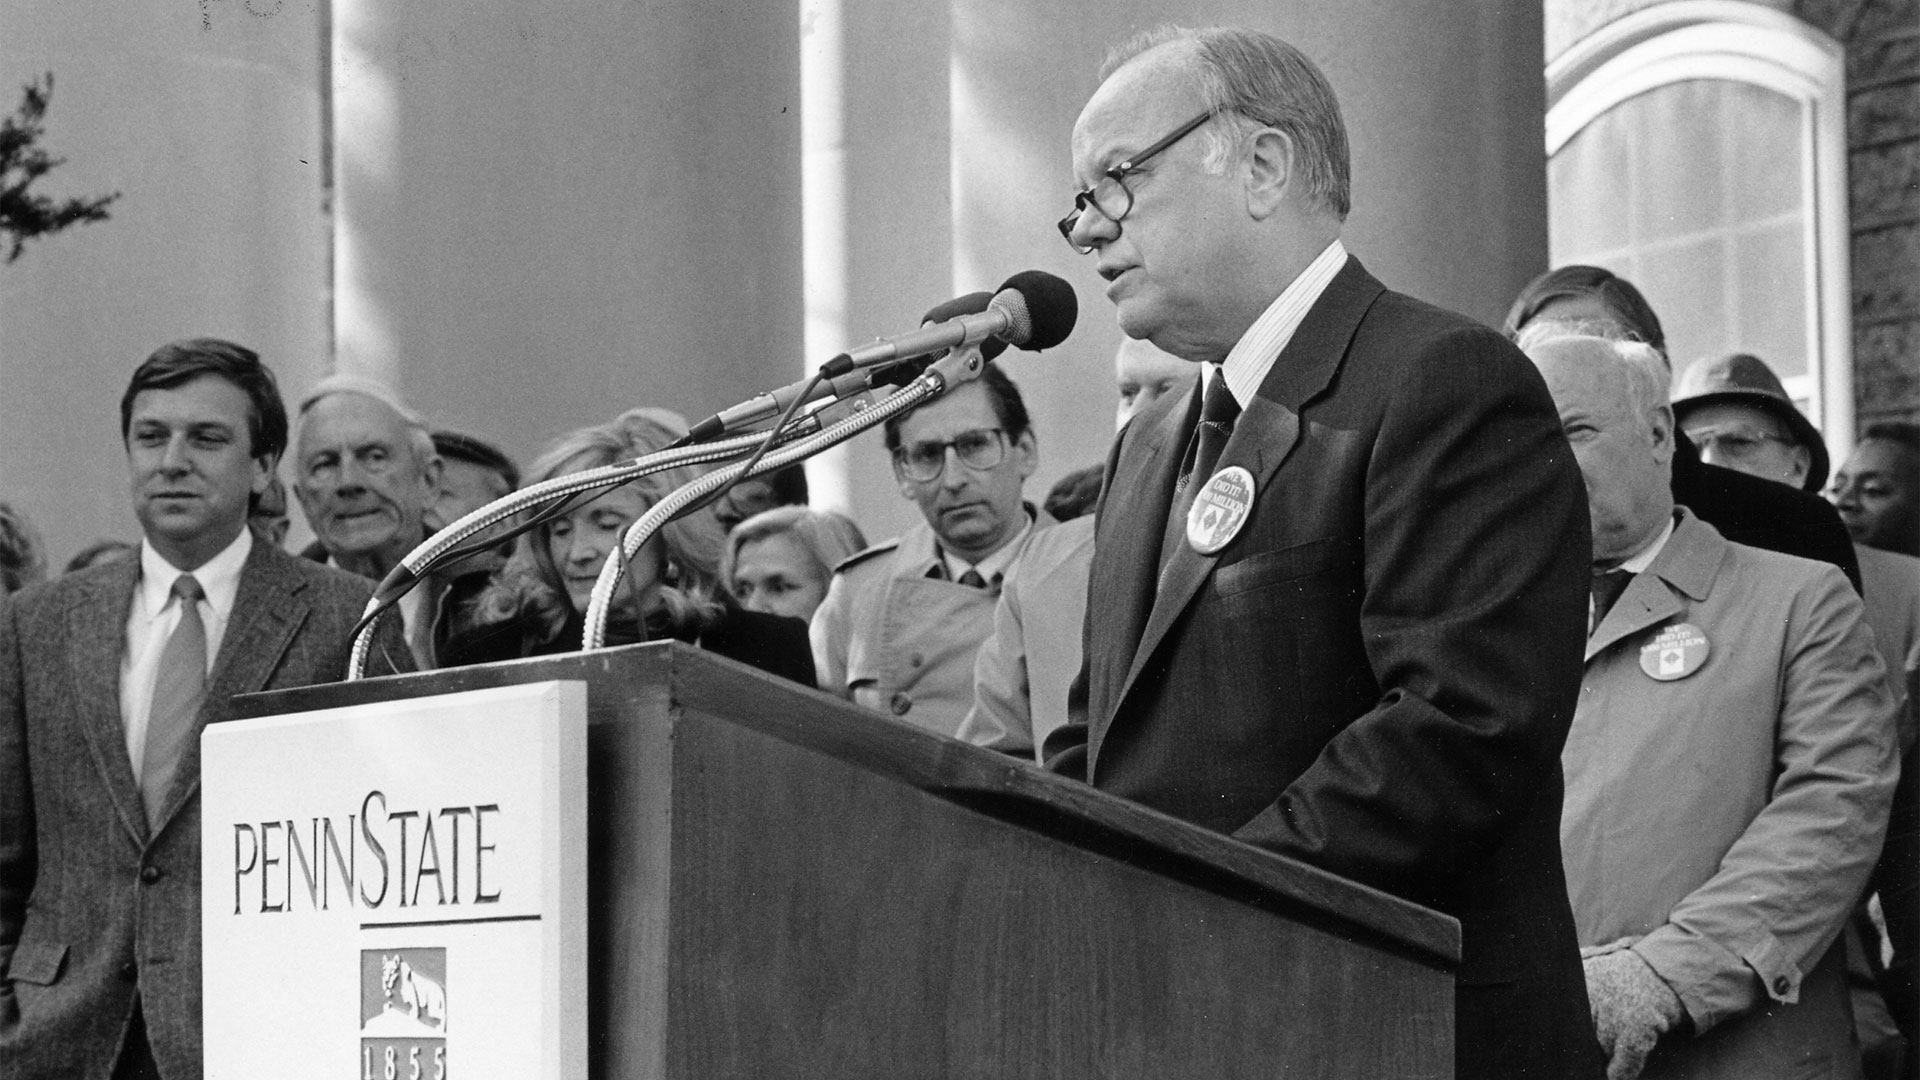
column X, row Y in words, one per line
column 1730, row 764
column 366, row 474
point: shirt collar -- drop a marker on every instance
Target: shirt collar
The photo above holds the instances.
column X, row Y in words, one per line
column 219, row 577
column 1246, row 366
column 995, row 563
column 1639, row 563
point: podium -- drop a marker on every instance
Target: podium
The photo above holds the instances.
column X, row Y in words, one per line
column 782, row 885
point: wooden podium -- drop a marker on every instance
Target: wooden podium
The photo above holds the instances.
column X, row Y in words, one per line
column 782, row 885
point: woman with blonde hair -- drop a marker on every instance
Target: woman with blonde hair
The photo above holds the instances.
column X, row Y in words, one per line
column 780, row 561
column 535, row 605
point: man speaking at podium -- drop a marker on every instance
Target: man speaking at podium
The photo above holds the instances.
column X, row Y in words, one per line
column 1344, row 578
column 107, row 677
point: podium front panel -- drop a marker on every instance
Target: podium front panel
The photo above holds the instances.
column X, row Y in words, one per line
column 783, row 885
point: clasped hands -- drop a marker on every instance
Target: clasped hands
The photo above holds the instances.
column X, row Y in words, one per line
column 1632, row 1006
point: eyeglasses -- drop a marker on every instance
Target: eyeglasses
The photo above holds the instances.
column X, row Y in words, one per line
column 1110, row 194
column 1735, row 444
column 980, row 448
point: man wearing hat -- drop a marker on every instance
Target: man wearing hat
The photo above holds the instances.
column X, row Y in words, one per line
column 1735, row 412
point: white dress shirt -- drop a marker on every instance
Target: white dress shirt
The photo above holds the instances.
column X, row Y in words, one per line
column 152, row 620
column 1246, row 366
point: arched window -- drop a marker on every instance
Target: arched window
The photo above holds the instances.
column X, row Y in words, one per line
column 1698, row 148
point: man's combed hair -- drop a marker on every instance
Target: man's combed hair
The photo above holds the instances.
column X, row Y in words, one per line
column 1628, row 308
column 180, row 362
column 1646, row 370
column 1252, row 80
column 1008, row 408
column 419, row 435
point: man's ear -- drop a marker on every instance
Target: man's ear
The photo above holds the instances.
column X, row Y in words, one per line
column 263, row 467
column 1026, row 452
column 1271, row 155
column 1660, row 425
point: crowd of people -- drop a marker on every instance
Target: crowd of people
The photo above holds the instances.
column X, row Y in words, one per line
column 1534, row 626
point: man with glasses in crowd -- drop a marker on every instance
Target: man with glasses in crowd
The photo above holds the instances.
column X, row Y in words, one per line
column 1343, row 581
column 1736, row 413
column 902, row 620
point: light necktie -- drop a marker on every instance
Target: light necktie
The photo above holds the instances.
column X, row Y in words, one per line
column 179, row 687
column 1606, row 589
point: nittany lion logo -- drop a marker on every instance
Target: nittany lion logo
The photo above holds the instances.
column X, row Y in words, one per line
column 403, row 993
column 417, row 992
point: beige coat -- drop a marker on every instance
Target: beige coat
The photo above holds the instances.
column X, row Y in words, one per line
column 897, row 641
column 1729, row 819
column 1026, row 667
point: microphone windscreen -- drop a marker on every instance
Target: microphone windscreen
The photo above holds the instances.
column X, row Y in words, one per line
column 971, row 304
column 1052, row 307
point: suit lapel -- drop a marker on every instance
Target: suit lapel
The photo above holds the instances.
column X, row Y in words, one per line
column 1127, row 545
column 96, row 638
column 267, row 612
column 1684, row 569
column 1262, row 438
column 1646, row 602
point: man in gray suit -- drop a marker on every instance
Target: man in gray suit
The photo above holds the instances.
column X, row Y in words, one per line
column 107, row 677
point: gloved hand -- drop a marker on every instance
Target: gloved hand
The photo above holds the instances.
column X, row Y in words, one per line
column 1632, row 1006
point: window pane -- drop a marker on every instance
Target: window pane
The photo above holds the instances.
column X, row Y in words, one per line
column 1698, row 192
column 1677, row 156
column 1764, row 260
column 1595, row 164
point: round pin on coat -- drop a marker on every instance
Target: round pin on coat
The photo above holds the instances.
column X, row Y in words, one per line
column 1676, row 652
column 1220, row 509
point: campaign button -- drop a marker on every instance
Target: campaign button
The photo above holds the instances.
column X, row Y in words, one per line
column 1220, row 509
column 1676, row 652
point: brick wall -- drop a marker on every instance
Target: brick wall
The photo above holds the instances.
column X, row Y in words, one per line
column 1882, row 39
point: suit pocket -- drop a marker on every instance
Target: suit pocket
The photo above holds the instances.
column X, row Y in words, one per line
column 1286, row 564
column 38, row 964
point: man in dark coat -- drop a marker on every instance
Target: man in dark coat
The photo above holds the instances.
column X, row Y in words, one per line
column 1345, row 576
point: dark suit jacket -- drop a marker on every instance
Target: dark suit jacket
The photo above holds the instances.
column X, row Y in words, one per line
column 1377, row 674
column 94, row 906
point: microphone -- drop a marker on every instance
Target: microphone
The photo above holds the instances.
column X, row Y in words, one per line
column 902, row 372
column 1032, row 310
column 771, row 404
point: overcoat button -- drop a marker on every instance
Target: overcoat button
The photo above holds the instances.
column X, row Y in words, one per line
column 150, row 874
